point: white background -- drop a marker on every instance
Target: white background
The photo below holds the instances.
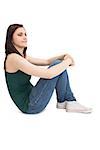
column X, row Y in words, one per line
column 55, row 27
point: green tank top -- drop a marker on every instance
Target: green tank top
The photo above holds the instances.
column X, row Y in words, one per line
column 19, row 87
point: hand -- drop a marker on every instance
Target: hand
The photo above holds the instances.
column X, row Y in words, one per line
column 68, row 56
column 68, row 61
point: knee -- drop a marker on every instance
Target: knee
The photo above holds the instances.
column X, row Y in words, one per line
column 55, row 62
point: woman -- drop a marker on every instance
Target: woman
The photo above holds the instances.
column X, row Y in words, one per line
column 19, row 67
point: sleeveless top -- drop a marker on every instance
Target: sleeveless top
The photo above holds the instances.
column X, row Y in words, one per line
column 19, row 87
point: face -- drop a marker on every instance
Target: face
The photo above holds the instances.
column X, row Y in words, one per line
column 19, row 39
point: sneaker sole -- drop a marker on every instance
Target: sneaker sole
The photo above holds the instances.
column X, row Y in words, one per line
column 79, row 111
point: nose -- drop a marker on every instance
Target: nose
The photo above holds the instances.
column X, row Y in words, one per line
column 25, row 37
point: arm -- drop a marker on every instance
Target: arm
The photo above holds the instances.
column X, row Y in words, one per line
column 60, row 57
column 37, row 61
column 69, row 56
column 45, row 62
column 22, row 64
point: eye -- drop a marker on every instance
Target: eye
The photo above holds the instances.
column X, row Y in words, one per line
column 20, row 34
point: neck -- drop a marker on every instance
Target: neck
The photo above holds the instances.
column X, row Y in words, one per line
column 20, row 50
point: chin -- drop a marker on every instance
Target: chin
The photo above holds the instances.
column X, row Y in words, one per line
column 24, row 46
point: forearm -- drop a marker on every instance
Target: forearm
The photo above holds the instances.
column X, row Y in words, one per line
column 38, row 61
column 60, row 57
column 57, row 69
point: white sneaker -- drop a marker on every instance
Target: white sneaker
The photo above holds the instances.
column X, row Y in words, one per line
column 74, row 106
column 61, row 105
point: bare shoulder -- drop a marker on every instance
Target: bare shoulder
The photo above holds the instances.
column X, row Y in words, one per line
column 11, row 62
column 14, row 57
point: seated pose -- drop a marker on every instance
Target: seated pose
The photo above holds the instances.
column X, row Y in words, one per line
column 19, row 67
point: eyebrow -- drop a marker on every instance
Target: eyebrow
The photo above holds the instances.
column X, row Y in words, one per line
column 21, row 33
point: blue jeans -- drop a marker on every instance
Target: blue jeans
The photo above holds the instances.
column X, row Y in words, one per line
column 43, row 90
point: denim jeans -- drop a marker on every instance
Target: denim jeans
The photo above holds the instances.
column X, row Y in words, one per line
column 44, row 88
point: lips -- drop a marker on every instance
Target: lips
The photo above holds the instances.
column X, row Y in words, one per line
column 24, row 41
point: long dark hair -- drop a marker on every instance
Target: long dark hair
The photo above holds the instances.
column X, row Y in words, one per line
column 9, row 47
